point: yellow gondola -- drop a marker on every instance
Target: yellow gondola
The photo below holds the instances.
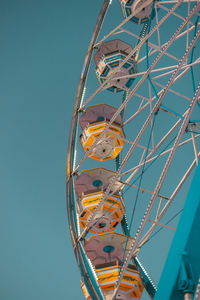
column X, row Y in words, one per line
column 109, row 215
column 131, row 286
column 106, row 252
column 94, row 122
column 85, row 291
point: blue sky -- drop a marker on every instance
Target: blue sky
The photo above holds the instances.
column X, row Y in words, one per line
column 42, row 48
column 42, row 51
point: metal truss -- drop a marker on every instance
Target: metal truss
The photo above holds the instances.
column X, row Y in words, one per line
column 161, row 73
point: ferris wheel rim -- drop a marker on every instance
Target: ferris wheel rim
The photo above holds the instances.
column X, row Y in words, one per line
column 71, row 169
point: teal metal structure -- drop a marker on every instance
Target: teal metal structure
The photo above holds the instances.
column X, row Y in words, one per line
column 182, row 268
column 181, row 273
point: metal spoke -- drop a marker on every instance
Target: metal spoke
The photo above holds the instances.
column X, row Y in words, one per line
column 171, row 155
column 158, row 122
column 137, row 47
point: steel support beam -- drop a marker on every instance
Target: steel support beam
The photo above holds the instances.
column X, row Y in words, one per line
column 182, row 268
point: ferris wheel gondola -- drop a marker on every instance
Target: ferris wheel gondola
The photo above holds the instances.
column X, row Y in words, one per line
column 141, row 141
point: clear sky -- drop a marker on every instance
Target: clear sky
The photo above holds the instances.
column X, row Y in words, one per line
column 42, row 48
column 43, row 44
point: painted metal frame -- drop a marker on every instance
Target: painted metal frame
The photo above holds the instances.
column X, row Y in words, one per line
column 182, row 268
column 154, row 103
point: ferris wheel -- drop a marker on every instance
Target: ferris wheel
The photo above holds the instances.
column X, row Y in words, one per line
column 134, row 141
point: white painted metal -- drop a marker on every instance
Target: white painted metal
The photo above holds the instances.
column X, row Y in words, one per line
column 179, row 68
column 170, row 158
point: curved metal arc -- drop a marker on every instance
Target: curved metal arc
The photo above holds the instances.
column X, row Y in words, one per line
column 141, row 81
column 95, row 292
column 137, row 47
column 71, row 170
column 138, row 10
column 156, row 107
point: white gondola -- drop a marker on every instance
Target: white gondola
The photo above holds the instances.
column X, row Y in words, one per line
column 141, row 7
column 109, row 56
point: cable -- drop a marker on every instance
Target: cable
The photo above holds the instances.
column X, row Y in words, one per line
column 171, row 219
column 141, row 176
column 191, row 58
column 130, row 185
column 138, row 191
